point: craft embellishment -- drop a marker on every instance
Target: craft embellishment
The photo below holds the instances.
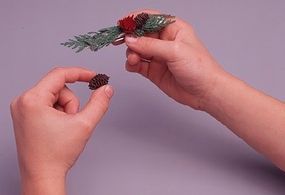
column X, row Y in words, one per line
column 140, row 25
column 98, row 80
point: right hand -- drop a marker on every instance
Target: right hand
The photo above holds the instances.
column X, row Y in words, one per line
column 179, row 63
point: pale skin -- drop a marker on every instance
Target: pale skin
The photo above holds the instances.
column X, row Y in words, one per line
column 51, row 132
column 179, row 65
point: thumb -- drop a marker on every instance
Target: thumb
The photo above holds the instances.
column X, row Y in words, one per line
column 97, row 105
column 151, row 47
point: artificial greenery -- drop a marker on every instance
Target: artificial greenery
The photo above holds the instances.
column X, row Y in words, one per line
column 138, row 26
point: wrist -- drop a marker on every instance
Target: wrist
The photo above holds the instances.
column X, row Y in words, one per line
column 213, row 97
column 43, row 181
column 44, row 184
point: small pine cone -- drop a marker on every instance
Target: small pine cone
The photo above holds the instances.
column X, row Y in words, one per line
column 98, row 81
column 141, row 19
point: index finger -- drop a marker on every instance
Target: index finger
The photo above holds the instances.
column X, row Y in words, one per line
column 55, row 80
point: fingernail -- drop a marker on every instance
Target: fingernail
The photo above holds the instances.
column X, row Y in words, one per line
column 109, row 91
column 130, row 39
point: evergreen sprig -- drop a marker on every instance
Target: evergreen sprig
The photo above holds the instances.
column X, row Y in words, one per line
column 139, row 26
column 103, row 37
column 80, row 42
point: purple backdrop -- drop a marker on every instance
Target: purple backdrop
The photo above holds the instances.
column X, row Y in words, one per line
column 147, row 144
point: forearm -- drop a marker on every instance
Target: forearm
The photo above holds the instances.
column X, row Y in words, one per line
column 255, row 117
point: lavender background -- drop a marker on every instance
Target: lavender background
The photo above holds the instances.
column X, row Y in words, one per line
column 147, row 144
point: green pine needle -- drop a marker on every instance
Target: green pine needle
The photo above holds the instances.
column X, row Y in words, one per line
column 80, row 42
column 94, row 40
column 104, row 37
column 156, row 22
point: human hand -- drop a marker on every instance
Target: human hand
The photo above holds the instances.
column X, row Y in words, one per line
column 50, row 132
column 176, row 61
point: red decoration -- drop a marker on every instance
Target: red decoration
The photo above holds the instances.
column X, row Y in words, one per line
column 128, row 24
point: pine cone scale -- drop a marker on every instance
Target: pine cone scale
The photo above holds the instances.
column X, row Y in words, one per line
column 141, row 19
column 98, row 81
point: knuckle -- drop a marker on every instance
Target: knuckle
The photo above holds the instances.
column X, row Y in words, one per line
column 129, row 52
column 187, row 26
column 84, row 124
column 13, row 104
column 75, row 101
column 27, row 99
column 176, row 49
column 57, row 69
column 191, row 28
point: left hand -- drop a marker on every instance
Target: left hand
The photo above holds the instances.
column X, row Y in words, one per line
column 50, row 131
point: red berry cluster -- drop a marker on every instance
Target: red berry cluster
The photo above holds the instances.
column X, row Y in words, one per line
column 127, row 24
column 130, row 23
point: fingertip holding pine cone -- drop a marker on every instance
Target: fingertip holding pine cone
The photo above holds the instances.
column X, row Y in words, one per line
column 98, row 80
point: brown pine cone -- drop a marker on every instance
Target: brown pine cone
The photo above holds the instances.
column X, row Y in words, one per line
column 141, row 19
column 98, row 81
